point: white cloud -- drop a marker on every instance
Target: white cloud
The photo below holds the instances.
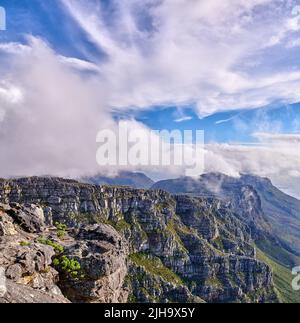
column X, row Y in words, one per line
column 158, row 52
column 10, row 93
column 275, row 157
column 275, row 138
column 11, row 96
column 192, row 51
column 13, row 48
column 50, row 115
column 79, row 64
column 182, row 119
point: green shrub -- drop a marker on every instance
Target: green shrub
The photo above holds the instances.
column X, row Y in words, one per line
column 69, row 267
column 61, row 230
column 56, row 262
column 25, row 244
column 56, row 246
column 60, row 226
column 61, row 234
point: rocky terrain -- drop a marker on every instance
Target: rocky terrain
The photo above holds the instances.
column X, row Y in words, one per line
column 250, row 196
column 82, row 243
column 44, row 263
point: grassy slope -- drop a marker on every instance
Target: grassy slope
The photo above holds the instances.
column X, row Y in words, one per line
column 278, row 254
column 154, row 266
column 282, row 211
column 282, row 279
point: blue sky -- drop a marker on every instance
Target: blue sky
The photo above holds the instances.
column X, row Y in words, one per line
column 225, row 127
column 59, row 28
column 51, row 22
column 230, row 68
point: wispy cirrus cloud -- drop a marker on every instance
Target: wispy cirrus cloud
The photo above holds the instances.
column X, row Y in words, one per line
column 174, row 52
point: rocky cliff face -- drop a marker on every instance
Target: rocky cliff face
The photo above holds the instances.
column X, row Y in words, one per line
column 239, row 194
column 178, row 248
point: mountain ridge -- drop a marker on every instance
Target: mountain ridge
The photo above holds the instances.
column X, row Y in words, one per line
column 181, row 248
column 132, row 179
column 281, row 211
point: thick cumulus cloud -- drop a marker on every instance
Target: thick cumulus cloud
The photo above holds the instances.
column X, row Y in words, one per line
column 51, row 109
column 49, row 114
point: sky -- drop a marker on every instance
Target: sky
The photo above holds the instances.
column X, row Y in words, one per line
column 71, row 67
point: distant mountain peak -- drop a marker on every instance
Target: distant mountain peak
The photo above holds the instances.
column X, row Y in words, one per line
column 256, row 179
column 123, row 178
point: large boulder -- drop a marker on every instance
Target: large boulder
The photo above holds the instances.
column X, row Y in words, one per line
column 29, row 217
column 101, row 252
column 27, row 254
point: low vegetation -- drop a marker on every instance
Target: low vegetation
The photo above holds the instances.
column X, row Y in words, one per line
column 70, row 268
column 154, row 266
column 282, row 279
column 120, row 225
column 61, row 230
column 59, row 249
column 25, row 244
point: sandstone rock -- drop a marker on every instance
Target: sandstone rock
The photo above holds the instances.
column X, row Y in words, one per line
column 102, row 253
column 17, row 293
column 30, row 218
column 3, row 286
column 14, row 272
column 28, row 265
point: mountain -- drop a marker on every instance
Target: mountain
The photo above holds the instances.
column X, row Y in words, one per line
column 131, row 179
column 282, row 210
column 145, row 245
column 277, row 210
column 265, row 208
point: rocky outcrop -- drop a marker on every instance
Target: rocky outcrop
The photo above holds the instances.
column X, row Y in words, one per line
column 243, row 195
column 20, row 293
column 24, row 261
column 177, row 248
column 102, row 254
column 39, row 264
